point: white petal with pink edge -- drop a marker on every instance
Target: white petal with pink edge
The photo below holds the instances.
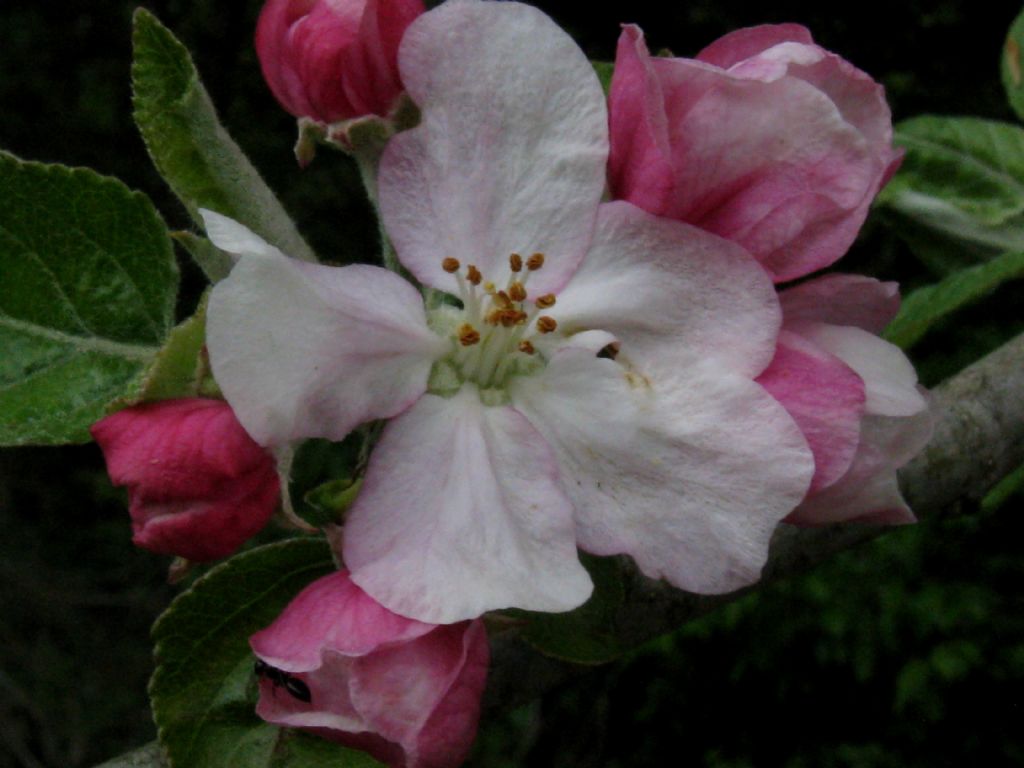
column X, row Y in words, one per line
column 890, row 381
column 511, row 151
column 673, row 295
column 303, row 350
column 462, row 512
column 688, row 475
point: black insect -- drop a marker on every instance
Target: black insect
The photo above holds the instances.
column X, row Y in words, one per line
column 295, row 687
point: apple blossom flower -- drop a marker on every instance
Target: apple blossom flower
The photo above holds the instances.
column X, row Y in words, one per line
column 198, row 485
column 590, row 384
column 332, row 60
column 854, row 395
column 764, row 138
column 339, row 664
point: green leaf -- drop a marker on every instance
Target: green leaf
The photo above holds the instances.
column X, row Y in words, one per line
column 586, row 635
column 203, row 691
column 963, row 180
column 926, row 306
column 86, row 298
column 190, row 147
column 1013, row 77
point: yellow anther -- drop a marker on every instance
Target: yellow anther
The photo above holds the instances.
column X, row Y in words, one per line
column 526, row 347
column 450, row 265
column 545, row 301
column 535, row 262
column 502, row 300
column 515, row 261
column 473, row 274
column 516, row 291
column 546, row 324
column 489, row 288
column 468, row 335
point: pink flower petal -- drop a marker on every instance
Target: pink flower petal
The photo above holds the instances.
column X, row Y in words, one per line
column 462, row 512
column 331, row 613
column 839, row 299
column 869, row 492
column 743, row 44
column 425, row 695
column 825, row 398
column 688, row 474
column 782, row 152
column 304, row 350
column 510, row 154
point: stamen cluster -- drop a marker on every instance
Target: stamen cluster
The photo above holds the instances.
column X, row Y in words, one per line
column 498, row 323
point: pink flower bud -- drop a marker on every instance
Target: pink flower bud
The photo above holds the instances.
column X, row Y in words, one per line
column 341, row 665
column 333, row 60
column 765, row 139
column 854, row 396
column 198, row 485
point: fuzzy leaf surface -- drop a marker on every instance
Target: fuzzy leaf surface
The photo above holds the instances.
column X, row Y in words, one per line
column 190, row 147
column 962, row 180
column 86, row 299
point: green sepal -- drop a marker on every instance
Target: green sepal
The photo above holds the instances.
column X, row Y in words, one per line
column 203, row 691
column 215, row 263
column 179, row 367
column 86, row 299
column 328, row 502
column 189, row 146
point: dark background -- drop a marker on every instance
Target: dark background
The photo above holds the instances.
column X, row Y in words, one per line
column 907, row 652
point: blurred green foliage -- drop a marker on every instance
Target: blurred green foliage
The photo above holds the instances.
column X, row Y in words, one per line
column 901, row 653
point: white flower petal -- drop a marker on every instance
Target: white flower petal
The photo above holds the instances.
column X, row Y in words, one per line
column 462, row 512
column 232, row 237
column 672, row 294
column 688, row 476
column 890, row 381
column 304, row 350
column 510, row 154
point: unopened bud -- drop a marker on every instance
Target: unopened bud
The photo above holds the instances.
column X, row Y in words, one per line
column 322, row 60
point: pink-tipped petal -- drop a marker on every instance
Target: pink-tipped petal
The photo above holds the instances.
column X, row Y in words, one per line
column 743, row 44
column 825, row 398
column 688, row 475
column 869, row 492
column 303, row 350
column 672, row 295
column 510, row 154
column 331, row 612
column 462, row 512
column 425, row 695
column 890, row 382
column 839, row 299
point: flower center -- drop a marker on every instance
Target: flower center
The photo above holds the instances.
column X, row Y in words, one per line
column 494, row 334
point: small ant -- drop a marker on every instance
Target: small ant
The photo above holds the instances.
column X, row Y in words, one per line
column 298, row 689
